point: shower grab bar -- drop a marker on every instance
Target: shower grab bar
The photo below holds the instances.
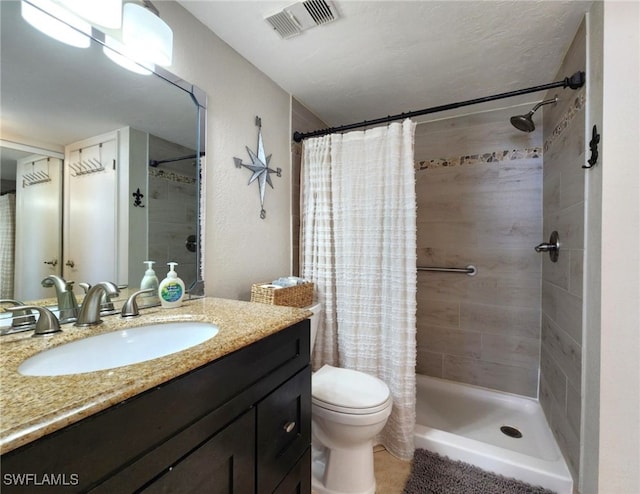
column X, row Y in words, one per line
column 470, row 270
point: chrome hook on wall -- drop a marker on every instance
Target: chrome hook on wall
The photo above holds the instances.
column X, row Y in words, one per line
column 552, row 247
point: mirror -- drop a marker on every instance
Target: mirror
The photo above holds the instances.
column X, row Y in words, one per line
column 126, row 146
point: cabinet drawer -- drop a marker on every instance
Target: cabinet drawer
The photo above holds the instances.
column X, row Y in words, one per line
column 284, row 430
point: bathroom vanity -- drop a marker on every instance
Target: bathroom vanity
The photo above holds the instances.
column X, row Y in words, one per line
column 235, row 417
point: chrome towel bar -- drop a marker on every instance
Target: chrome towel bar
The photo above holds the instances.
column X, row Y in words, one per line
column 470, row 270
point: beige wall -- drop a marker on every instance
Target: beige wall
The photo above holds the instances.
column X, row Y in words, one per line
column 479, row 190
column 589, row 426
column 240, row 248
column 619, row 435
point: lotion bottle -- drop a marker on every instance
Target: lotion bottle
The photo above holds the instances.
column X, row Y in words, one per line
column 150, row 280
column 171, row 290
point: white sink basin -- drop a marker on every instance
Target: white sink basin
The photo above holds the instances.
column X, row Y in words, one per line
column 125, row 347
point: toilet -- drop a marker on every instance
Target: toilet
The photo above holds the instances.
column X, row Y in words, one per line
column 348, row 409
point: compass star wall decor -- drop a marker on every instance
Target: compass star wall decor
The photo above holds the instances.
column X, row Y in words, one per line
column 260, row 167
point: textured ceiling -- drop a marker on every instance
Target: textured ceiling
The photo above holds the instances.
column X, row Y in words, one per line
column 387, row 57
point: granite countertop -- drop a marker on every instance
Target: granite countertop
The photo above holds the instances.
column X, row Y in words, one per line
column 31, row 407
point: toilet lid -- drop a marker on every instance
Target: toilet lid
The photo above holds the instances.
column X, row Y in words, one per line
column 346, row 388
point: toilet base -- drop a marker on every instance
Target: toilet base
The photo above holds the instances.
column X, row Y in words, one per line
column 365, row 484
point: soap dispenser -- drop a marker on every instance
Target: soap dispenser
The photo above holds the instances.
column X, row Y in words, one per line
column 171, row 289
column 150, row 280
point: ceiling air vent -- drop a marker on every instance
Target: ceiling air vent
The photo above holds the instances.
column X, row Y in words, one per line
column 284, row 25
column 294, row 19
column 320, row 11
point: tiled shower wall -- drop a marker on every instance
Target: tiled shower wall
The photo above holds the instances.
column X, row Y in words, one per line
column 172, row 218
column 562, row 282
column 479, row 194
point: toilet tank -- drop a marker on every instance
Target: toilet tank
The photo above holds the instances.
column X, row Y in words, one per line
column 315, row 321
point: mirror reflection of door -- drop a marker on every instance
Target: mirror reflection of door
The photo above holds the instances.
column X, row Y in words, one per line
column 38, row 215
column 91, row 207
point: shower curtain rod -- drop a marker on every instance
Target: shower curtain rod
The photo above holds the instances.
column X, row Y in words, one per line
column 576, row 81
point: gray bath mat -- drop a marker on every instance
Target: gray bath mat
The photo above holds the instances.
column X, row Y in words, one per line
column 435, row 474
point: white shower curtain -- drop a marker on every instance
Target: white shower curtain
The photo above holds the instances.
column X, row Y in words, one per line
column 359, row 248
column 7, row 241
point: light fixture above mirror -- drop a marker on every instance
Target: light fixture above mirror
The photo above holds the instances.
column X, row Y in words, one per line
column 133, row 31
column 57, row 22
column 147, row 36
column 105, row 13
column 118, row 53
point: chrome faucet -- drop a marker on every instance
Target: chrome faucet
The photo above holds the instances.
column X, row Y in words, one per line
column 90, row 311
column 67, row 303
column 106, row 304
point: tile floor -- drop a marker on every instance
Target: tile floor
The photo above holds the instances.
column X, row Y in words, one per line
column 391, row 473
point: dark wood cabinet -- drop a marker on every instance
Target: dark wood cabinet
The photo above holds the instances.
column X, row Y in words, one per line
column 283, row 430
column 240, row 424
column 219, row 466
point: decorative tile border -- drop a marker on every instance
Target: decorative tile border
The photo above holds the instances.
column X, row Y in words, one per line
column 574, row 109
column 577, row 106
column 171, row 176
column 478, row 159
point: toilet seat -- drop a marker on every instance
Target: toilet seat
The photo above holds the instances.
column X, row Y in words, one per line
column 348, row 391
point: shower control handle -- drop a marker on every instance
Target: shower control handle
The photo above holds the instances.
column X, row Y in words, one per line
column 552, row 247
column 545, row 247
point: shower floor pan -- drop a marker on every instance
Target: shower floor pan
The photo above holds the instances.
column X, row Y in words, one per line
column 500, row 432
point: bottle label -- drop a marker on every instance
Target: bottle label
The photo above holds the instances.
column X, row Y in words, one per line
column 171, row 292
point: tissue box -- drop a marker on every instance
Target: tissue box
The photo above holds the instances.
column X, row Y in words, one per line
column 291, row 296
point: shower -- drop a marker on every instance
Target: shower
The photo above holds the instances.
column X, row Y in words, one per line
column 524, row 122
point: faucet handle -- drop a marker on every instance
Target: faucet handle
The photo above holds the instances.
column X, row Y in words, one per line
column 22, row 318
column 47, row 322
column 106, row 304
column 130, row 307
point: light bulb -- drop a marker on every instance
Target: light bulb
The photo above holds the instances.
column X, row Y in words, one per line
column 146, row 36
column 57, row 22
column 117, row 52
column 106, row 13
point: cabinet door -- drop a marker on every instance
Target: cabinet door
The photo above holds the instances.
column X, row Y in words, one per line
column 222, row 465
column 284, row 430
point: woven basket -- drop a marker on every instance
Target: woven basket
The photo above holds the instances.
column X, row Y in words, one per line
column 291, row 296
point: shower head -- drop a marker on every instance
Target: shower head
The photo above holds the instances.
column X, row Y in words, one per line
column 525, row 122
